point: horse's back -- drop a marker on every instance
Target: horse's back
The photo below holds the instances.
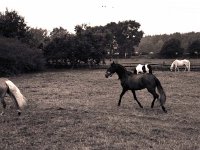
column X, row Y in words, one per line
column 139, row 67
column 3, row 85
column 141, row 81
column 148, row 76
column 186, row 60
column 2, row 81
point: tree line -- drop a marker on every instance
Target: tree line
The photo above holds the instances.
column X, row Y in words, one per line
column 171, row 46
column 26, row 49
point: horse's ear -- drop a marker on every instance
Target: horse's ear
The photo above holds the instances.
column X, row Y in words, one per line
column 112, row 63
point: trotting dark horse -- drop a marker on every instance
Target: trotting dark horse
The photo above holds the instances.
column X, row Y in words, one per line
column 133, row 82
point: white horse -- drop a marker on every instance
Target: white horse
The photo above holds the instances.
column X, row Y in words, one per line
column 177, row 63
column 143, row 69
column 7, row 86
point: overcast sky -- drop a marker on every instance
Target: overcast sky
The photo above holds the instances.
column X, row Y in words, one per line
column 155, row 16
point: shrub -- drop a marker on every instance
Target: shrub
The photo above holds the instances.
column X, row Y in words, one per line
column 16, row 57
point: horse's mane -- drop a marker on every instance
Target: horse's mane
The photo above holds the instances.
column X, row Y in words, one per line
column 124, row 69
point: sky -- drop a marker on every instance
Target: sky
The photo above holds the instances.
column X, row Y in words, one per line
column 154, row 16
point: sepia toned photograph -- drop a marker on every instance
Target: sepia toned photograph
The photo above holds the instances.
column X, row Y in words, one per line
column 99, row 75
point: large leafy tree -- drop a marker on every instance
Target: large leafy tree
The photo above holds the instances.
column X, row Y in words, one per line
column 59, row 33
column 88, row 45
column 127, row 35
column 93, row 41
column 36, row 38
column 12, row 25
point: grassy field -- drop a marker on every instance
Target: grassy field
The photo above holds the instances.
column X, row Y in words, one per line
column 77, row 109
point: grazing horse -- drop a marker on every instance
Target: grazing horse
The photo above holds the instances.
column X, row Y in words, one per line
column 176, row 63
column 143, row 69
column 7, row 86
column 133, row 82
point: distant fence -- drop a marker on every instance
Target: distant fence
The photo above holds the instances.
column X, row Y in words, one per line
column 162, row 67
column 157, row 67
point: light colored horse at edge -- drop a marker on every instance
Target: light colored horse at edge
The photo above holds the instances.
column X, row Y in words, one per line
column 177, row 63
column 8, row 87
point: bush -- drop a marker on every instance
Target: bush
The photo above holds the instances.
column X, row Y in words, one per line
column 16, row 57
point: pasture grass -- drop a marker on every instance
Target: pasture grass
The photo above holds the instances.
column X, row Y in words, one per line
column 77, row 109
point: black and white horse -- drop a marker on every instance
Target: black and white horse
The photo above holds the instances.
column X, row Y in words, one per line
column 143, row 69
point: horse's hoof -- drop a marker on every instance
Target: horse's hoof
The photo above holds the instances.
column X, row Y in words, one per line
column 163, row 108
column 165, row 111
column 19, row 113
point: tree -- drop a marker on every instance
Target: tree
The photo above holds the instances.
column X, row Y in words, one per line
column 94, row 42
column 59, row 33
column 171, row 49
column 36, row 38
column 12, row 25
column 87, row 46
column 127, row 35
column 194, row 48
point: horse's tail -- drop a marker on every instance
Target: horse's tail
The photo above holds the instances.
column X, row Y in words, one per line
column 14, row 92
column 161, row 91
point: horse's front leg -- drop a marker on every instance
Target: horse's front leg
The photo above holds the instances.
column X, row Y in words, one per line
column 134, row 95
column 120, row 98
column 177, row 69
column 185, row 68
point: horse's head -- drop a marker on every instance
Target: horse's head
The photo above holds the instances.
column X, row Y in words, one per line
column 172, row 66
column 111, row 70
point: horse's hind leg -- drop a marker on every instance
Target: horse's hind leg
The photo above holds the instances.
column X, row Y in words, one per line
column 163, row 108
column 120, row 98
column 134, row 95
column 16, row 104
column 155, row 96
column 2, row 95
column 4, row 105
